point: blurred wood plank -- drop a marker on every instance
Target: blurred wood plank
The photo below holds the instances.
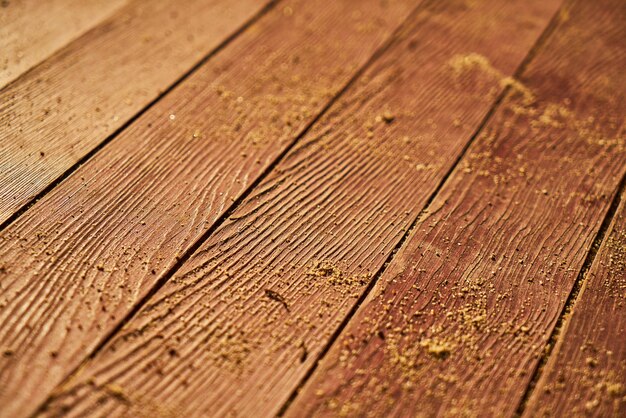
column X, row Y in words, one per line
column 78, row 261
column 586, row 373
column 57, row 113
column 241, row 323
column 31, row 30
column 460, row 318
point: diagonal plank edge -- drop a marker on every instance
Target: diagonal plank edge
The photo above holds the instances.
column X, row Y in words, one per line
column 31, row 31
column 61, row 110
column 508, row 82
column 237, row 328
column 458, row 321
column 79, row 259
column 162, row 93
column 586, row 372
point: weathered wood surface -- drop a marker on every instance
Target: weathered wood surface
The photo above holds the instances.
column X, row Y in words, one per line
column 77, row 261
column 241, row 323
column 458, row 321
column 31, row 30
column 586, row 373
column 61, row 110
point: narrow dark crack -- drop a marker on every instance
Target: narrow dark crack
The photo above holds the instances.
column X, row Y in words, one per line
column 539, row 43
column 572, row 298
column 19, row 212
column 228, row 213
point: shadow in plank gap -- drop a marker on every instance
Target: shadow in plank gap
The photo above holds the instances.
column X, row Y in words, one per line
column 460, row 319
column 242, row 322
column 80, row 259
column 56, row 114
column 32, row 30
column 586, row 373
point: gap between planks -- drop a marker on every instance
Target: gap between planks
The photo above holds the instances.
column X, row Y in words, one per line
column 490, row 106
column 223, row 44
column 520, row 69
column 573, row 297
column 93, row 103
column 314, row 89
column 218, row 223
column 587, row 256
column 38, row 40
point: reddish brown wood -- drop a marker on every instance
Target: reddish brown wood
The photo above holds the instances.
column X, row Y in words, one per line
column 76, row 263
column 586, row 374
column 235, row 331
column 31, row 30
column 57, row 113
column 459, row 319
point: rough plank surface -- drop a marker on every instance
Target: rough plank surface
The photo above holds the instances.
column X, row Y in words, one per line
column 586, row 373
column 75, row 264
column 238, row 327
column 64, row 108
column 31, row 30
column 459, row 319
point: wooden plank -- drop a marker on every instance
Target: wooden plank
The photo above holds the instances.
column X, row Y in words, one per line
column 79, row 260
column 586, row 374
column 241, row 323
column 57, row 113
column 458, row 321
column 31, row 30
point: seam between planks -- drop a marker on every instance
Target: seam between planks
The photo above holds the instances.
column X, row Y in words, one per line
column 234, row 206
column 573, row 297
column 270, row 5
column 54, row 51
column 540, row 42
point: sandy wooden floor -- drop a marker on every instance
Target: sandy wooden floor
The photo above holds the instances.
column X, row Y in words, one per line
column 252, row 208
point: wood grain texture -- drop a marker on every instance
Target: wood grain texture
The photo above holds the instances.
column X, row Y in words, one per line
column 77, row 262
column 241, row 323
column 586, row 373
column 64, row 108
column 31, row 30
column 457, row 322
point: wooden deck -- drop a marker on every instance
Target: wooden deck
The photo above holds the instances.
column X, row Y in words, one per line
column 252, row 208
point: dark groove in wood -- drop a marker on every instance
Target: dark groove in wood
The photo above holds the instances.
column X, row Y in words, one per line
column 76, row 395
column 196, row 245
column 531, row 54
column 352, row 366
column 132, row 120
column 51, row 51
column 573, row 297
column 110, row 80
